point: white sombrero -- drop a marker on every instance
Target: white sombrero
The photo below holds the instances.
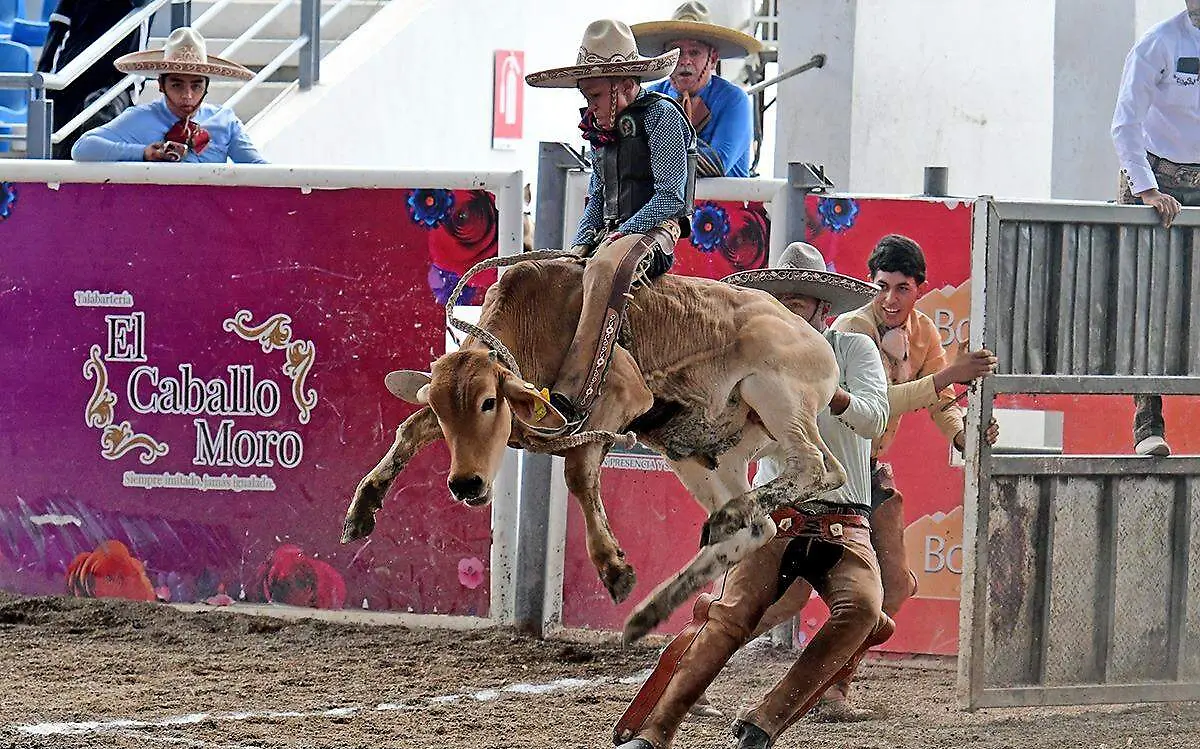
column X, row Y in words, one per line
column 186, row 53
column 692, row 21
column 801, row 270
column 608, row 50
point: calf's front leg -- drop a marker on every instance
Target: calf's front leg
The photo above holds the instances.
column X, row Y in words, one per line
column 583, row 480
column 412, row 436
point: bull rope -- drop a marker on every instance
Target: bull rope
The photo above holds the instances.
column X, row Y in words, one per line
column 532, row 442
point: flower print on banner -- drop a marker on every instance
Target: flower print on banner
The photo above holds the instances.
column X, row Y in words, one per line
column 749, row 238
column 430, row 208
column 109, row 572
column 468, row 234
column 710, row 226
column 8, row 199
column 293, row 578
column 470, row 572
column 837, row 214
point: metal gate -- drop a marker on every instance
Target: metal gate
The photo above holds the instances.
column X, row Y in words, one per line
column 1082, row 573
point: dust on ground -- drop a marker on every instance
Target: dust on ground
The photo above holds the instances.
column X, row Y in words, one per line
column 220, row 679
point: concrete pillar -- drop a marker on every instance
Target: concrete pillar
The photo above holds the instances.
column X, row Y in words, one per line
column 813, row 109
column 1091, row 39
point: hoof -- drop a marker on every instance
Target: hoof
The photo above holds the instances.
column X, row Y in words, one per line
column 723, row 524
column 355, row 528
column 619, row 579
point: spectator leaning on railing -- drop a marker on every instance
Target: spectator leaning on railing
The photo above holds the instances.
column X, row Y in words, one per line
column 1156, row 131
column 179, row 126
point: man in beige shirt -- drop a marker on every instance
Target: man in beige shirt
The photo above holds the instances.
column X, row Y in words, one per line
column 919, row 377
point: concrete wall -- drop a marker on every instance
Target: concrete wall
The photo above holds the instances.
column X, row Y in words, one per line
column 1016, row 98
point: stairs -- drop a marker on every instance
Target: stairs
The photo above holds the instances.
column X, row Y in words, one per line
column 229, row 23
column 273, row 39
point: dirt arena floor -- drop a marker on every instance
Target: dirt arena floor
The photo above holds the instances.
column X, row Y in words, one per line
column 86, row 673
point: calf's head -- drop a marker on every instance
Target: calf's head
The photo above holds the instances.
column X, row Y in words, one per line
column 475, row 399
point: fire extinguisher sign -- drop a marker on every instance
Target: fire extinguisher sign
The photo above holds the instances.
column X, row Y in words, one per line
column 508, row 99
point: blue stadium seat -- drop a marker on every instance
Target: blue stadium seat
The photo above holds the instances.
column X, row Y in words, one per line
column 30, row 33
column 9, row 11
column 14, row 102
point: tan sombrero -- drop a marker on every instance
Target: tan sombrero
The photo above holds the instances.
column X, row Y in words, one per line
column 608, row 50
column 801, row 270
column 692, row 21
column 186, row 53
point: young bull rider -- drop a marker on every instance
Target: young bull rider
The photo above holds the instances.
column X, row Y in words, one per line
column 823, row 546
column 639, row 198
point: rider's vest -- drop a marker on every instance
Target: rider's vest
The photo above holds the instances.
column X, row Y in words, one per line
column 628, row 179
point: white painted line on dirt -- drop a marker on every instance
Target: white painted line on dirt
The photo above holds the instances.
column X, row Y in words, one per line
column 483, row 695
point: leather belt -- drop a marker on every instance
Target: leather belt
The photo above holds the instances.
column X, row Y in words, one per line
column 1188, row 174
column 792, row 523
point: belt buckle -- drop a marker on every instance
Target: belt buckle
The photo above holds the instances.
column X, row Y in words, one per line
column 785, row 524
column 836, row 530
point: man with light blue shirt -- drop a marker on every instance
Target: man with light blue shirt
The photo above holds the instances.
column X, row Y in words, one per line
column 719, row 111
column 179, row 126
column 1156, row 132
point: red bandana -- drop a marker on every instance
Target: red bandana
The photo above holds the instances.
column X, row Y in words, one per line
column 189, row 134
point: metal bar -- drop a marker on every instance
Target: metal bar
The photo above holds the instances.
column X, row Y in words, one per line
column 1002, row 287
column 1092, row 465
column 1177, row 615
column 310, row 53
column 1064, row 211
column 1037, row 313
column 1106, row 576
column 17, row 80
column 1096, row 321
column 1045, row 576
column 554, row 159
column 1126, row 294
column 90, row 111
column 1141, row 307
column 1096, row 384
column 209, row 14
column 1156, row 332
column 181, row 13
column 1173, row 360
column 985, row 249
column 1020, row 308
column 1193, row 307
column 267, row 71
column 40, row 119
column 1066, row 357
column 817, row 61
column 1083, row 301
column 100, row 47
column 256, row 27
column 1099, row 694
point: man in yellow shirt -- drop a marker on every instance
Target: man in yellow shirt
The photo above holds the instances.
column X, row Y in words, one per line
column 919, row 377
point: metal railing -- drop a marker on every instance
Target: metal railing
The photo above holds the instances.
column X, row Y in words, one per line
column 39, row 135
column 1076, row 584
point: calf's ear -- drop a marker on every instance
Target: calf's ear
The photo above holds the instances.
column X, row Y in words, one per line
column 409, row 385
column 530, row 406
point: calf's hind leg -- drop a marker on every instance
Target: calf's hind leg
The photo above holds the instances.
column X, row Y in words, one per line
column 788, row 409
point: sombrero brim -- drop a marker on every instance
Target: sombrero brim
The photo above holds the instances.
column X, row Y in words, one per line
column 151, row 62
column 653, row 36
column 842, row 292
column 644, row 68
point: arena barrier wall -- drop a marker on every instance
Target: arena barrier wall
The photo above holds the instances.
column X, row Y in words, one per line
column 191, row 383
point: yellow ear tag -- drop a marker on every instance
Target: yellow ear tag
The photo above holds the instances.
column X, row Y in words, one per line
column 539, row 408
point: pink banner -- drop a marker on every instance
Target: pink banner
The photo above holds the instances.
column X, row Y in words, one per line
column 191, row 387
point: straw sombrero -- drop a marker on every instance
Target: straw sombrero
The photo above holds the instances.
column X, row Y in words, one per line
column 608, row 50
column 801, row 270
column 185, row 52
column 692, row 21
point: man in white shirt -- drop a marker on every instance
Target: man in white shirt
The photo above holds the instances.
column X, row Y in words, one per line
column 1156, row 131
column 823, row 545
